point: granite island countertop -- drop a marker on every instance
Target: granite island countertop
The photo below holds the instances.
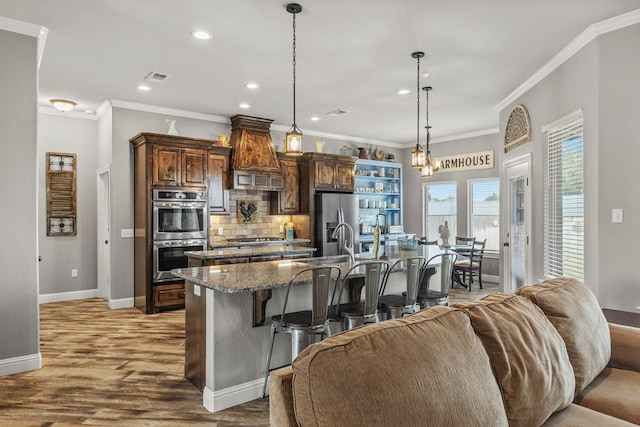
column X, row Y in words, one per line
column 250, row 277
column 252, row 251
column 290, row 242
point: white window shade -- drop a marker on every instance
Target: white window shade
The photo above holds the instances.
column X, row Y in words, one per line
column 484, row 212
column 440, row 203
column 564, row 200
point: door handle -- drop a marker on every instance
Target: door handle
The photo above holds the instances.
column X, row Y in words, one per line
column 505, row 244
column 106, row 242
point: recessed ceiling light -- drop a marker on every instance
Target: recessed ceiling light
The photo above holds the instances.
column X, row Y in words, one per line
column 201, row 35
column 425, row 74
column 315, row 118
column 404, row 92
column 251, row 85
column 143, row 87
column 243, row 105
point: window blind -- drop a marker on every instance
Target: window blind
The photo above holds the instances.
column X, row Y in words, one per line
column 484, row 211
column 564, row 200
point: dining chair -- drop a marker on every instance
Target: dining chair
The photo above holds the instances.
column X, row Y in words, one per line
column 443, row 264
column 357, row 313
column 306, row 324
column 472, row 265
column 393, row 306
column 423, row 241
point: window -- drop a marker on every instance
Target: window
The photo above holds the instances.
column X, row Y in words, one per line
column 564, row 199
column 439, row 200
column 484, row 211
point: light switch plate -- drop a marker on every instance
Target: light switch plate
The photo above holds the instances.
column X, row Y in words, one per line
column 196, row 290
column 616, row 216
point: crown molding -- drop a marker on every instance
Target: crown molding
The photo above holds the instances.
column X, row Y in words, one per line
column 70, row 114
column 27, row 29
column 221, row 119
column 587, row 36
column 103, row 109
column 457, row 137
column 116, row 103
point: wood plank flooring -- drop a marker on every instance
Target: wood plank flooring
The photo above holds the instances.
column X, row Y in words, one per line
column 119, row 368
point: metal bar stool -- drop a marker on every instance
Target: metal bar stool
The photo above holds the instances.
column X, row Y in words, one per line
column 303, row 325
column 430, row 297
column 396, row 306
column 357, row 313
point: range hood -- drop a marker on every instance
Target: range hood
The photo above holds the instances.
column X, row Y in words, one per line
column 254, row 162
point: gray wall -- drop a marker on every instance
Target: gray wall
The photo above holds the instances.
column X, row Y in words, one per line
column 602, row 80
column 413, row 182
column 60, row 254
column 19, row 329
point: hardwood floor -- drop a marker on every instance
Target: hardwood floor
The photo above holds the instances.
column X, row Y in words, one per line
column 119, row 368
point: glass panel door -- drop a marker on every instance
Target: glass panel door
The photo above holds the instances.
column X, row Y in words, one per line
column 516, row 244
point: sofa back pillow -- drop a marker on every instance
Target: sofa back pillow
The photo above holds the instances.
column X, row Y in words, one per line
column 573, row 309
column 528, row 357
column 425, row 369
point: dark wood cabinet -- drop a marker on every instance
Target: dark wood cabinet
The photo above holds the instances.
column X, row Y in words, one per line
column 179, row 167
column 218, row 170
column 163, row 162
column 287, row 201
column 333, row 174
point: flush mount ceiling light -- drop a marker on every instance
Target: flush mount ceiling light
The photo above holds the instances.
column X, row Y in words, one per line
column 201, row 35
column 417, row 155
column 293, row 139
column 62, row 104
column 429, row 165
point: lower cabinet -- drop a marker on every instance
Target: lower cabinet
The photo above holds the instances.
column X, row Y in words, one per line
column 168, row 295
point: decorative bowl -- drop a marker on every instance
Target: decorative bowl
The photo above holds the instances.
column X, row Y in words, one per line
column 407, row 244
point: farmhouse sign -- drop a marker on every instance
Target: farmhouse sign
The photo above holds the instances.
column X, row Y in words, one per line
column 466, row 162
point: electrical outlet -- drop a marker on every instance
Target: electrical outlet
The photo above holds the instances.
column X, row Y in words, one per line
column 126, row 232
column 74, row 272
column 282, row 228
column 220, row 231
column 196, row 290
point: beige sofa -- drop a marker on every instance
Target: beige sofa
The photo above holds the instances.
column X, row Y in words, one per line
column 542, row 356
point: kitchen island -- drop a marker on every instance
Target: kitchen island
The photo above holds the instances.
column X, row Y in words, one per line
column 224, row 353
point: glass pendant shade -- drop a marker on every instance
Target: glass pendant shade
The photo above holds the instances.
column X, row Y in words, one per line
column 417, row 157
column 428, row 168
column 293, row 142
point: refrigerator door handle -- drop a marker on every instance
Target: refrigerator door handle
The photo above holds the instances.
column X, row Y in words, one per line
column 340, row 232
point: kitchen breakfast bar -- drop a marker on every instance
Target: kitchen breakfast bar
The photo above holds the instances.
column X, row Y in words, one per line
column 224, row 352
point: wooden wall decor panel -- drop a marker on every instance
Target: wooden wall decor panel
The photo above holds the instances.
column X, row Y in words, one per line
column 61, row 194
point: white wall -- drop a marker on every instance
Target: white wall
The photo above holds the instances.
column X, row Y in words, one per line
column 19, row 329
column 60, row 254
column 601, row 79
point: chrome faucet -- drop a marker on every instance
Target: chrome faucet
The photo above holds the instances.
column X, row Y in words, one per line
column 347, row 246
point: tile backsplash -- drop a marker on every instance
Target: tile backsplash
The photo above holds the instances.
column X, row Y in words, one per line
column 260, row 224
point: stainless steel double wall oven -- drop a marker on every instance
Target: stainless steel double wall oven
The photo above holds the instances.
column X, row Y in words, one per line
column 180, row 224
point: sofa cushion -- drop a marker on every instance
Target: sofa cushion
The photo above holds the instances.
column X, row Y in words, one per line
column 528, row 356
column 615, row 392
column 428, row 368
column 579, row 416
column 574, row 311
column 281, row 398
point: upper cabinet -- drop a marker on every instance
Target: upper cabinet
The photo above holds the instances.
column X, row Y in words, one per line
column 218, row 170
column 287, row 201
column 330, row 172
column 179, row 167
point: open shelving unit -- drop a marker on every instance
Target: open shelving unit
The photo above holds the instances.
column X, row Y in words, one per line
column 378, row 185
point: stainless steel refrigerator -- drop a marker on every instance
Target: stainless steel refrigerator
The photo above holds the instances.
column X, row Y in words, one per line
column 330, row 210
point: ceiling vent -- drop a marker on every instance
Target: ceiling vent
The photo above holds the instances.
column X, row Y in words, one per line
column 156, row 77
column 337, row 112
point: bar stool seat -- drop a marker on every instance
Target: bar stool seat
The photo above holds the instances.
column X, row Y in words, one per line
column 393, row 306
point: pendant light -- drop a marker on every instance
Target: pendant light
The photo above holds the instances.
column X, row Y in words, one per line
column 417, row 155
column 293, row 139
column 429, row 167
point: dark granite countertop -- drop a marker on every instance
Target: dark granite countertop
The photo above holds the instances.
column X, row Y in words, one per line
column 251, row 251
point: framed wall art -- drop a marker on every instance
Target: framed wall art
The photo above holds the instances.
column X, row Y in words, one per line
column 61, row 194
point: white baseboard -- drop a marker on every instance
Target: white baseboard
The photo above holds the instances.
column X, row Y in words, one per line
column 67, row 296
column 115, row 304
column 226, row 398
column 490, row 278
column 16, row 365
